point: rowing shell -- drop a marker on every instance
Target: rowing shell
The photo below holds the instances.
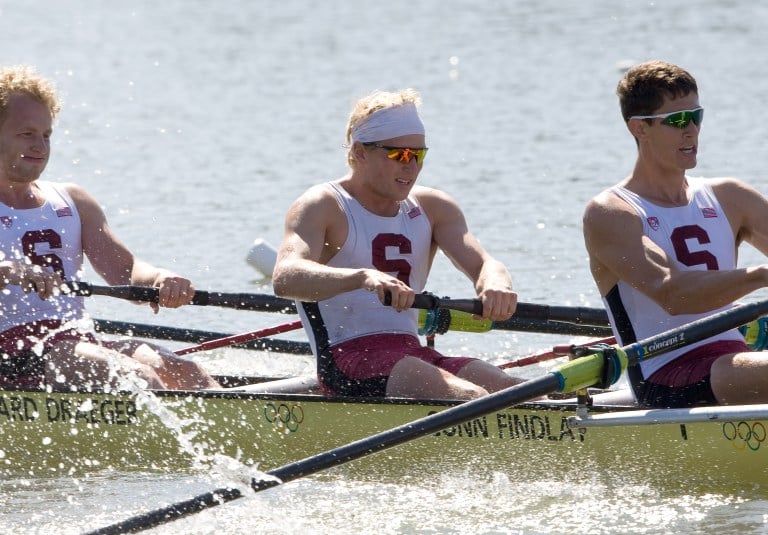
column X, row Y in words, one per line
column 48, row 434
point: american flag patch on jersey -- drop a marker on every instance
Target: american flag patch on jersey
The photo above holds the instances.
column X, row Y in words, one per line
column 64, row 212
column 7, row 221
column 414, row 212
column 708, row 212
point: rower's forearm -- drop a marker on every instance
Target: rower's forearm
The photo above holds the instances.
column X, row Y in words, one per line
column 311, row 281
column 145, row 274
column 698, row 292
column 493, row 274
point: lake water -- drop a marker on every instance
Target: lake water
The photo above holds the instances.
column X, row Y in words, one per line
column 196, row 124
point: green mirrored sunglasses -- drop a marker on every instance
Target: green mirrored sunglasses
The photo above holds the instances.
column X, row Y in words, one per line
column 678, row 119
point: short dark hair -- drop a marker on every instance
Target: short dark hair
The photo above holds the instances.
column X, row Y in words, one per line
column 643, row 88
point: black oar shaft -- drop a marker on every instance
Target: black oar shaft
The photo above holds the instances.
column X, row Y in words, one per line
column 241, row 301
column 271, row 303
column 433, row 423
column 170, row 513
column 577, row 315
column 577, row 374
column 695, row 331
column 422, row 427
column 195, row 336
column 550, row 327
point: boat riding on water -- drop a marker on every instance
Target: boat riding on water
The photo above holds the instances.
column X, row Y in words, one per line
column 267, row 425
column 578, row 431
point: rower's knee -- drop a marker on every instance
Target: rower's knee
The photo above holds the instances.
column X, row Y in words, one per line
column 467, row 391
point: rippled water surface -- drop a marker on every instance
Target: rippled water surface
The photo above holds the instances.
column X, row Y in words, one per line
column 196, row 124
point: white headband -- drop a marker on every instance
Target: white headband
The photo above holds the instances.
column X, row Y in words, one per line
column 386, row 123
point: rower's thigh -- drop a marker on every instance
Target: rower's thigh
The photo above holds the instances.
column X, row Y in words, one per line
column 741, row 378
column 76, row 363
column 485, row 374
column 412, row 377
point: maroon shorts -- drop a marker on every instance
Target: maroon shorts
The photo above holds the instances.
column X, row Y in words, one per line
column 361, row 366
column 695, row 365
column 21, row 358
column 684, row 382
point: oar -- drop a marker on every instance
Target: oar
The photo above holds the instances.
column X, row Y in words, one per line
column 241, row 338
column 557, row 352
column 568, row 314
column 442, row 320
column 195, row 336
column 601, row 368
column 550, row 327
column 271, row 303
column 159, row 332
column 241, row 301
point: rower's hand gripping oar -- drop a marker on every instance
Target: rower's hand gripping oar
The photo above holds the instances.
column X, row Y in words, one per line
column 439, row 315
column 577, row 315
column 242, row 301
column 573, row 376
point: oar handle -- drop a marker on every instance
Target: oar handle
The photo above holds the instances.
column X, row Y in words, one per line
column 242, row 301
column 427, row 301
column 577, row 315
column 130, row 293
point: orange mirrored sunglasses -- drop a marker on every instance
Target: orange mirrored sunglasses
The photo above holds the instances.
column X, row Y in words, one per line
column 401, row 154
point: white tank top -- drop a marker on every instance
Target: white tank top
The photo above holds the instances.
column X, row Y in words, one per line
column 697, row 236
column 49, row 236
column 398, row 245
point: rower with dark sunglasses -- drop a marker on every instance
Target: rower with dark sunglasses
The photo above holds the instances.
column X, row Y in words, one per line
column 351, row 242
column 663, row 248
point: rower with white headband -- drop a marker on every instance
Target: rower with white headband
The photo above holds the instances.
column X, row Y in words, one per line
column 386, row 123
column 349, row 243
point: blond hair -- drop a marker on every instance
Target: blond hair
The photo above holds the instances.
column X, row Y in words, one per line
column 24, row 79
column 379, row 100
column 376, row 101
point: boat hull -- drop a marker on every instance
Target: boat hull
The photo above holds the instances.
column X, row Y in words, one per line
column 52, row 434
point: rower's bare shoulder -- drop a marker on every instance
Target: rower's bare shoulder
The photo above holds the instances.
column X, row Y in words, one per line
column 317, row 194
column 439, row 206
column 743, row 204
column 606, row 205
column 315, row 200
column 89, row 208
column 77, row 192
column 731, row 187
column 432, row 197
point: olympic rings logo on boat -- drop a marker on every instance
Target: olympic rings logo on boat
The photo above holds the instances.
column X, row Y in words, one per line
column 743, row 435
column 283, row 416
